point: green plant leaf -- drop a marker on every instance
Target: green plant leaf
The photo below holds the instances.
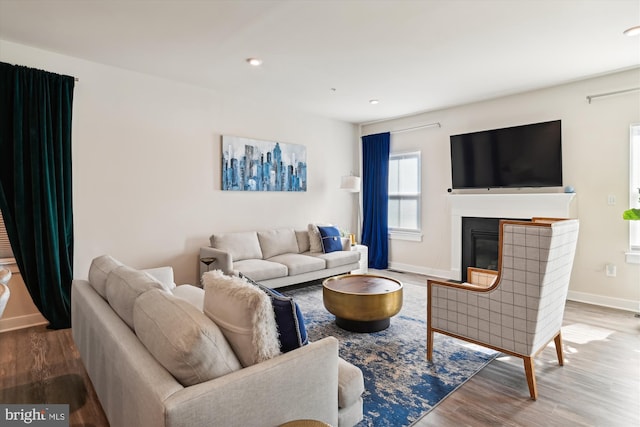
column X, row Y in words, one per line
column 631, row 214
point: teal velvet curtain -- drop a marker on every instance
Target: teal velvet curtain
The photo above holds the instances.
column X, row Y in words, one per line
column 35, row 183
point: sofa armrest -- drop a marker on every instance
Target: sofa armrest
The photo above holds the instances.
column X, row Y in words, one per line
column 300, row 384
column 463, row 286
column 164, row 275
column 221, row 260
column 125, row 376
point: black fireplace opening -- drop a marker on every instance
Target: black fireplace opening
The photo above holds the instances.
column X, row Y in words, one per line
column 479, row 243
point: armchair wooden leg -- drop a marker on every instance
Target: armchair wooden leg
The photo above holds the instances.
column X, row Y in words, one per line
column 558, row 342
column 531, row 377
column 429, row 344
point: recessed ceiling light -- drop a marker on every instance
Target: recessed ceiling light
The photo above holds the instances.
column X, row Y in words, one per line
column 633, row 31
column 254, row 62
column 374, row 101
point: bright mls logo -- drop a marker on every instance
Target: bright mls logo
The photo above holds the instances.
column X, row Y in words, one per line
column 35, row 415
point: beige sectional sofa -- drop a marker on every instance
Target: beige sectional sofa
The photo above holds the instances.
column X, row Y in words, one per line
column 156, row 359
column 276, row 258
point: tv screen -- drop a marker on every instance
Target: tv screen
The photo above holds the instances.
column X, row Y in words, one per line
column 519, row 156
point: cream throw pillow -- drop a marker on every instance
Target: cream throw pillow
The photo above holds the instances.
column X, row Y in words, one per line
column 185, row 341
column 315, row 239
column 244, row 315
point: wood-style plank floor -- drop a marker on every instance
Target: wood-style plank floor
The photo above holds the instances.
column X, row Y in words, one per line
column 598, row 386
column 39, row 365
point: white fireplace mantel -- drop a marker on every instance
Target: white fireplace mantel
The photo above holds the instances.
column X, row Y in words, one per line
column 525, row 206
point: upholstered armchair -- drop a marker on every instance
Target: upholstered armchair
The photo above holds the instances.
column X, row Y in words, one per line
column 518, row 310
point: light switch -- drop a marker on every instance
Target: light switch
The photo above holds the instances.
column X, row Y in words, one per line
column 611, row 200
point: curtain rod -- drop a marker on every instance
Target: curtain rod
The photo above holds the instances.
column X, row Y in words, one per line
column 430, row 125
column 617, row 92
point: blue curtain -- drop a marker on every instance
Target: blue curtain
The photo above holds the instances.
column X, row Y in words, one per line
column 35, row 183
column 375, row 197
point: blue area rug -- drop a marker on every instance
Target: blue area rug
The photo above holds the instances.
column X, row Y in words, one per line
column 400, row 385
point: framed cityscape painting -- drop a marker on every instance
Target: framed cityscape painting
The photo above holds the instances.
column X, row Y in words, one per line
column 255, row 165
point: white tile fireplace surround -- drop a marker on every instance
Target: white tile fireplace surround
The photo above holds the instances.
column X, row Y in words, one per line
column 552, row 205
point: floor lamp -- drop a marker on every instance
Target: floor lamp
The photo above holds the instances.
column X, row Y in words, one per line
column 351, row 184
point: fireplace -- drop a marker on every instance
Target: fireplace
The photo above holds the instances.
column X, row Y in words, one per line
column 494, row 206
column 479, row 244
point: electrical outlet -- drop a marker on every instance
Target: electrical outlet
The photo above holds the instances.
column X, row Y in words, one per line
column 611, row 200
column 610, row 270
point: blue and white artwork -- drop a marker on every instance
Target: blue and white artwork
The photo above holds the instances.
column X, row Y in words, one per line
column 255, row 165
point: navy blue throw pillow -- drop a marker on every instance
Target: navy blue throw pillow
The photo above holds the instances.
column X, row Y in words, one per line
column 331, row 241
column 291, row 328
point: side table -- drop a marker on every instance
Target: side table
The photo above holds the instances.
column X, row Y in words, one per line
column 364, row 258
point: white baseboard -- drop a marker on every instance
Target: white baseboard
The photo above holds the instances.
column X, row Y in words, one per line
column 20, row 322
column 441, row 274
column 604, row 301
column 601, row 300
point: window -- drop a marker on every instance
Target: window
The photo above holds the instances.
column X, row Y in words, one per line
column 5, row 248
column 404, row 195
column 634, row 191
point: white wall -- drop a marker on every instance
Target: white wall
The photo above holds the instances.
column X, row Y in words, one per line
column 146, row 155
column 146, row 165
column 596, row 163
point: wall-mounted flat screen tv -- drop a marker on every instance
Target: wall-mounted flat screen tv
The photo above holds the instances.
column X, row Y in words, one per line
column 518, row 156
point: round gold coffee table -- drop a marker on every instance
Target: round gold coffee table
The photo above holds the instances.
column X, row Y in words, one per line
column 362, row 302
column 305, row 423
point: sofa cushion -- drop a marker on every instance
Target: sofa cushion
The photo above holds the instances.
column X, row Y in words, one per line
column 277, row 242
column 260, row 269
column 292, row 332
column 244, row 315
column 98, row 272
column 302, row 237
column 338, row 258
column 124, row 285
column 185, row 341
column 298, row 263
column 241, row 245
column 330, row 239
column 315, row 240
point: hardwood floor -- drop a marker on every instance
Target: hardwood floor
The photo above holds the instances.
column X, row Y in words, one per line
column 38, row 365
column 599, row 385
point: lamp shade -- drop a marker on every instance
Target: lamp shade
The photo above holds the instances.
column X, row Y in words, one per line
column 350, row 183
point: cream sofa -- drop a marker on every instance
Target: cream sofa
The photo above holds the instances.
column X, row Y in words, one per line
column 110, row 326
column 276, row 258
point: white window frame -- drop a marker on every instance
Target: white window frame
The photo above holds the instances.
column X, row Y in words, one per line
column 409, row 233
column 633, row 256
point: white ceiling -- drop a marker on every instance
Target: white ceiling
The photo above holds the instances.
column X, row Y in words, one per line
column 411, row 55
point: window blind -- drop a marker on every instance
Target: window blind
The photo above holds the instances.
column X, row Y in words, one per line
column 5, row 246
